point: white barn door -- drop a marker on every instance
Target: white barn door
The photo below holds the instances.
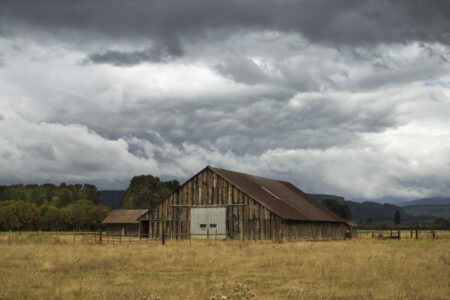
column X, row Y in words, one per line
column 208, row 222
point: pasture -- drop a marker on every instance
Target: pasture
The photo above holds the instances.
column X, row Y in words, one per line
column 363, row 268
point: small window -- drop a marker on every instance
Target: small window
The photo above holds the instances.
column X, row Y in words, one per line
column 202, row 225
column 213, row 225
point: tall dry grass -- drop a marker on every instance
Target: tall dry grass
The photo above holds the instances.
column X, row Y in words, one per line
column 354, row 269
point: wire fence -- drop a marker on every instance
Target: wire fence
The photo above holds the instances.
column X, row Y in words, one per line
column 76, row 237
column 405, row 234
column 92, row 238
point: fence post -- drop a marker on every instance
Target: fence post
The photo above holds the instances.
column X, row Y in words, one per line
column 417, row 234
column 9, row 238
column 398, row 233
column 432, row 232
column 411, row 235
column 100, row 234
column 163, row 234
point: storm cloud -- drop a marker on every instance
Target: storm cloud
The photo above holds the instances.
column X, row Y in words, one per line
column 344, row 97
column 122, row 58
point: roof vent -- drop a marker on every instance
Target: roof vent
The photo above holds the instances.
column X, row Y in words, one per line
column 270, row 192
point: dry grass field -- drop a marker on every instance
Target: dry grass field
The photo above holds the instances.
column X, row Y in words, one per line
column 363, row 268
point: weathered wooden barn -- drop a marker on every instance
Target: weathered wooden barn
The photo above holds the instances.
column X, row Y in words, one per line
column 123, row 222
column 219, row 203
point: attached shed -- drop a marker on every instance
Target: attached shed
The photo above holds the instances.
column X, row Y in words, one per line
column 219, row 203
column 123, row 222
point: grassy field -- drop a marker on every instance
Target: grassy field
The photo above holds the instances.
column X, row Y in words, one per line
column 363, row 268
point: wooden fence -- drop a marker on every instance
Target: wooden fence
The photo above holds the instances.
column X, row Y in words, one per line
column 415, row 234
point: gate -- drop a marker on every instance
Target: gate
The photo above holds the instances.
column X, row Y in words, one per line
column 208, row 222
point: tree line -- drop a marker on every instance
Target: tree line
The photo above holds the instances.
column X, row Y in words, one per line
column 147, row 191
column 50, row 207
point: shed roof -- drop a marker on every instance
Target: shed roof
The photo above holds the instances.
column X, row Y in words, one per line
column 124, row 216
column 281, row 197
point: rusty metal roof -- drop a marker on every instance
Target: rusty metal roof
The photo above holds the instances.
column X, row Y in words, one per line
column 124, row 216
column 281, row 197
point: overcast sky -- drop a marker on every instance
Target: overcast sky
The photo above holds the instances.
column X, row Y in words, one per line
column 343, row 97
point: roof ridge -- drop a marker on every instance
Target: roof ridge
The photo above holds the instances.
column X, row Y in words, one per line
column 242, row 173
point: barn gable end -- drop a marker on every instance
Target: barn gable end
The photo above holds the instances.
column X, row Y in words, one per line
column 256, row 208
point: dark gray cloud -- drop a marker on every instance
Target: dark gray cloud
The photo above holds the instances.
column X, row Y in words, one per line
column 241, row 69
column 339, row 23
column 347, row 97
column 124, row 58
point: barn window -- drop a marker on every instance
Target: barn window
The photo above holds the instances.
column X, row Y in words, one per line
column 212, row 225
column 202, row 225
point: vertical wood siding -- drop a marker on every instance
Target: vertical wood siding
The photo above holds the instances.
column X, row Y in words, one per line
column 245, row 217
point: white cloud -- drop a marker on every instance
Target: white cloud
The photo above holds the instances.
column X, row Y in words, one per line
column 358, row 122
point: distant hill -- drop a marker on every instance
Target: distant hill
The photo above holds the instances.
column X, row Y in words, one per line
column 374, row 212
column 321, row 197
column 429, row 211
column 111, row 198
column 428, row 201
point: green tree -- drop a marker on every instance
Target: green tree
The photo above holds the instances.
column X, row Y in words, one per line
column 440, row 223
column 67, row 217
column 53, row 219
column 38, row 196
column 8, row 215
column 91, row 193
column 65, row 198
column 18, row 215
column 30, row 216
column 147, row 191
column 80, row 213
column 335, row 206
column 96, row 214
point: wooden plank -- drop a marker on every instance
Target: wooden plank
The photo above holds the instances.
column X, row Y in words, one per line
column 250, row 208
column 219, row 190
column 190, row 194
column 200, row 189
column 230, row 221
column 210, row 183
column 204, row 189
column 225, row 192
column 263, row 229
column 257, row 229
column 278, row 227
column 169, row 213
column 241, row 221
column 261, row 218
column 214, row 188
column 246, row 227
column 185, row 192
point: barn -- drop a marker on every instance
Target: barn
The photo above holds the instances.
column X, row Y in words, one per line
column 219, row 203
column 123, row 222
